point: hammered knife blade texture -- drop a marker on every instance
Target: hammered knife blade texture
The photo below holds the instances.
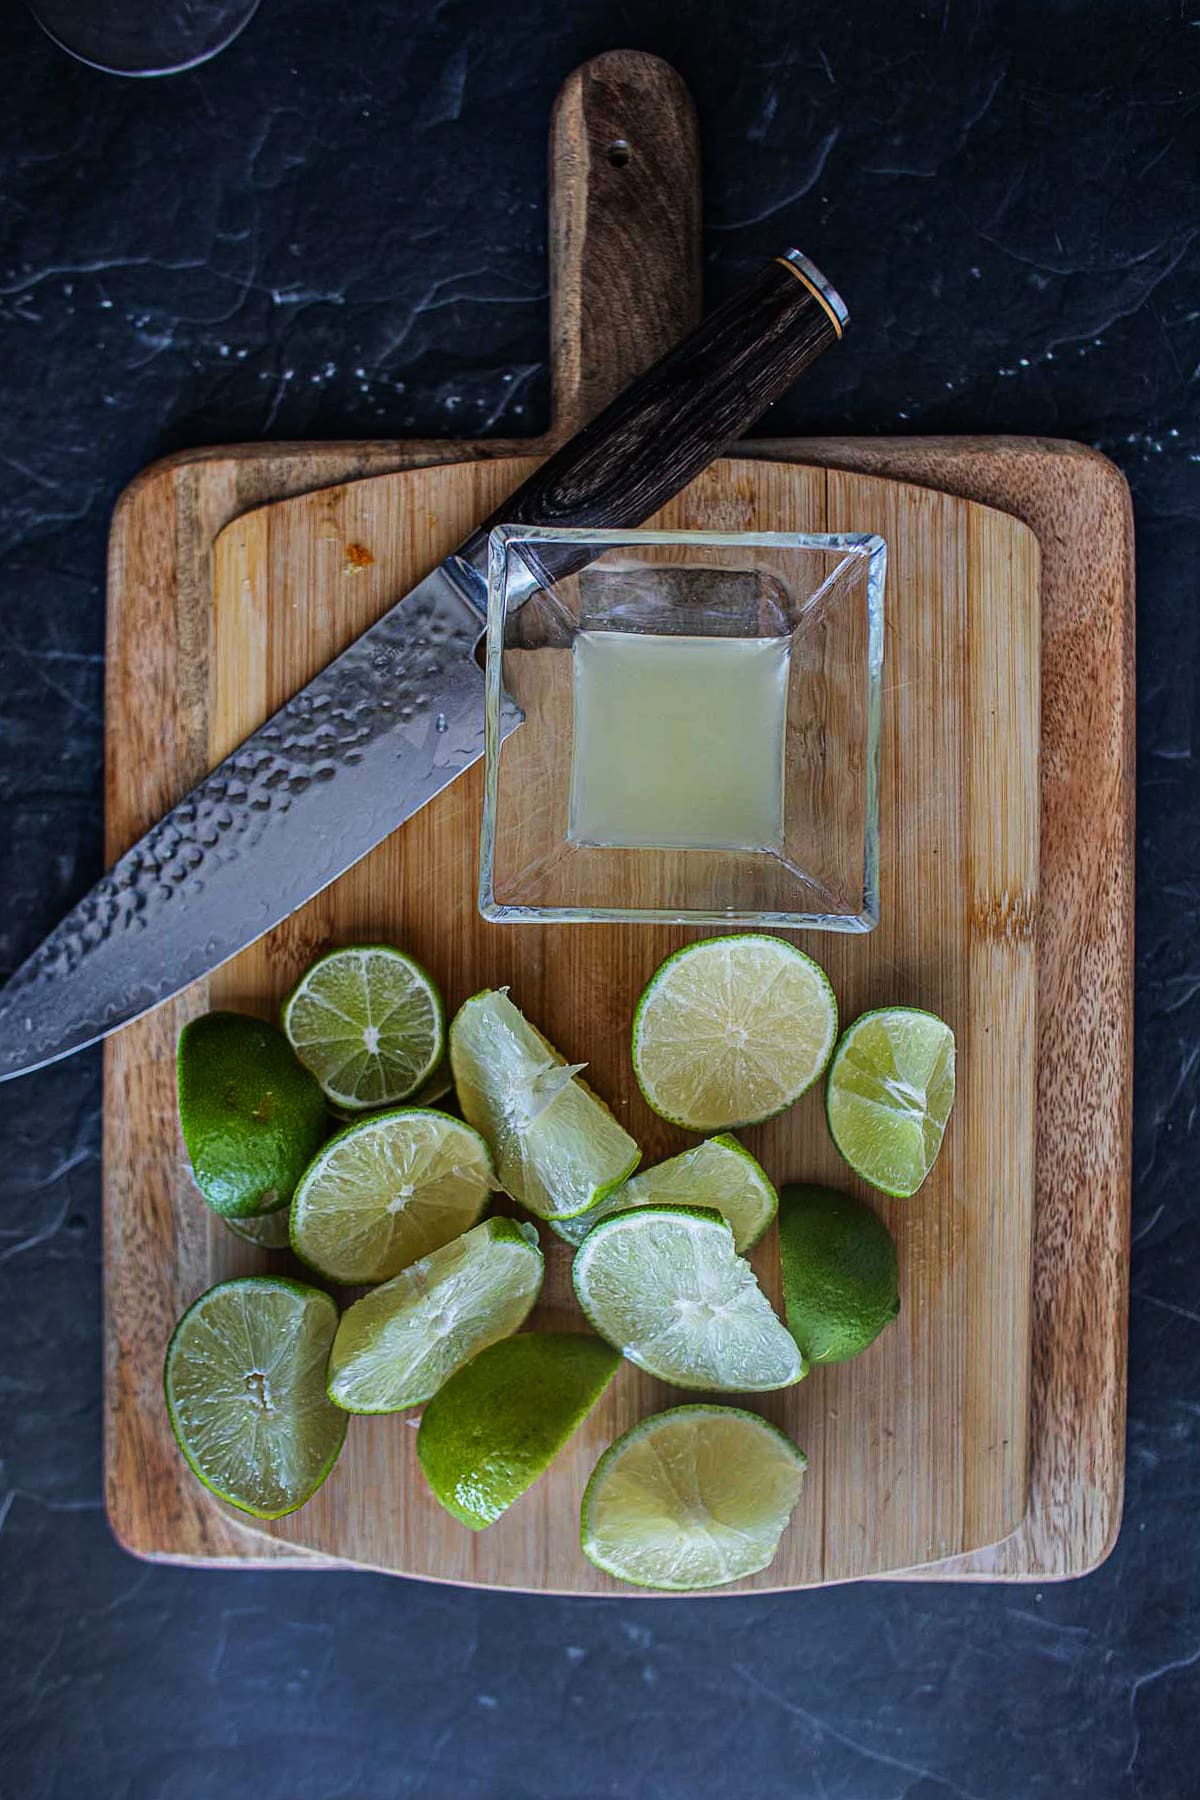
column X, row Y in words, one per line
column 372, row 738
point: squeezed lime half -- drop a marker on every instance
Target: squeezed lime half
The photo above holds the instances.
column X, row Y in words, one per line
column 387, row 1191
column 691, row 1498
column 889, row 1095
column 666, row 1286
column 245, row 1388
column 731, row 1031
column 397, row 1345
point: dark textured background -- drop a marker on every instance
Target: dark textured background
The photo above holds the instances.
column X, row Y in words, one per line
column 337, row 229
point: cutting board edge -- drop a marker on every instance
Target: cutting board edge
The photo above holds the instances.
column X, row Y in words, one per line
column 393, row 456
column 460, row 449
column 368, row 458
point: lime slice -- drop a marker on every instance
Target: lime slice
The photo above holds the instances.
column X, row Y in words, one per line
column 245, row 1386
column 396, row 1346
column 252, row 1118
column 691, row 1498
column 841, row 1282
column 270, row 1231
column 666, row 1286
column 719, row 1173
column 558, row 1148
column 387, row 1191
column 499, row 1422
column 731, row 1031
column 369, row 1024
column 889, row 1094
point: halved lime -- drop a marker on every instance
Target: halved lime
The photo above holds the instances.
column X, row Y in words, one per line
column 558, row 1148
column 691, row 1498
column 889, row 1095
column 731, row 1031
column 369, row 1023
column 841, row 1281
column 666, row 1286
column 499, row 1422
column 251, row 1116
column 387, row 1191
column 270, row 1231
column 398, row 1344
column 719, row 1173
column 245, row 1387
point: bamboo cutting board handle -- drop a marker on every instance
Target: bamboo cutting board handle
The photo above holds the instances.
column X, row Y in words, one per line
column 624, row 228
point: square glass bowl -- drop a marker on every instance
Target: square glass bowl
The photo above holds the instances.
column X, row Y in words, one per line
column 701, row 728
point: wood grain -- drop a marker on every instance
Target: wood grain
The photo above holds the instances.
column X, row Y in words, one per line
column 1076, row 502
column 624, row 176
column 918, row 1450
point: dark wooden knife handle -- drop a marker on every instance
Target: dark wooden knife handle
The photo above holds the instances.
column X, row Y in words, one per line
column 678, row 417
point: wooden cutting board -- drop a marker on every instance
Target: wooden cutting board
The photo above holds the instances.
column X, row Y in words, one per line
column 183, row 688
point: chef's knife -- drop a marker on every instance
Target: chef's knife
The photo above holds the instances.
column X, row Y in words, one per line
column 400, row 713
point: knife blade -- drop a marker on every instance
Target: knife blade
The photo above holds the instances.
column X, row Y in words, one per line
column 400, row 714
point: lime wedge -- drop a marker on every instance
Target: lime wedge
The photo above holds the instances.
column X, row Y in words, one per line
column 558, row 1148
column 270, row 1231
column 889, row 1095
column 251, row 1116
column 719, row 1173
column 387, row 1191
column 691, row 1498
column 245, row 1386
column 665, row 1285
column 499, row 1422
column 369, row 1023
column 398, row 1344
column 841, row 1282
column 731, row 1031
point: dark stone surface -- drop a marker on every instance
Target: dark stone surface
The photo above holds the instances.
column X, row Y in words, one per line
column 337, row 229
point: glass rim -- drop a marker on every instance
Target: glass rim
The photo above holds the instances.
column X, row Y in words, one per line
column 867, row 543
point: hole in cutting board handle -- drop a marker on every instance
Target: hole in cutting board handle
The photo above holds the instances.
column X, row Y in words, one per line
column 619, row 153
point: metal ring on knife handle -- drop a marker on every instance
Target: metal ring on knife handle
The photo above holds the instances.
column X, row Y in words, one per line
column 667, row 427
column 799, row 265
